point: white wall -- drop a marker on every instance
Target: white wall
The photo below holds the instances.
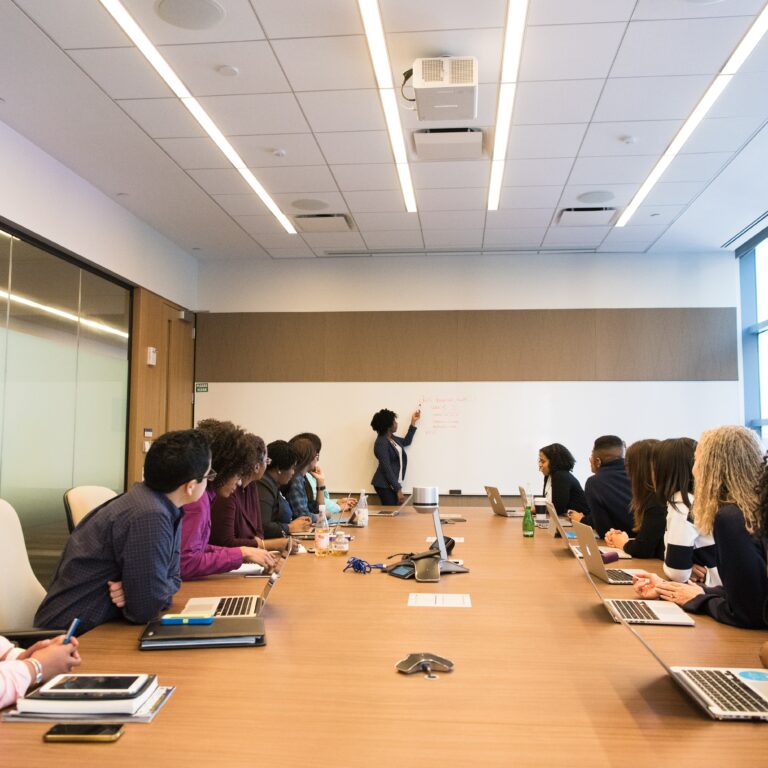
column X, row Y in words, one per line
column 520, row 281
column 45, row 197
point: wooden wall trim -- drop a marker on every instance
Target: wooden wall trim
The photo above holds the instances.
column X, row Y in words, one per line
column 669, row 344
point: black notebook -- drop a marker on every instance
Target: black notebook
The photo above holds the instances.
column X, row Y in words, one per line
column 223, row 632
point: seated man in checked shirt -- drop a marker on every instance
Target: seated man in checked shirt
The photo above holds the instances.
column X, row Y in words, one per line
column 132, row 540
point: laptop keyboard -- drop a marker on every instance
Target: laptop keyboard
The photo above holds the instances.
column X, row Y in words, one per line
column 616, row 574
column 235, row 606
column 726, row 690
column 634, row 610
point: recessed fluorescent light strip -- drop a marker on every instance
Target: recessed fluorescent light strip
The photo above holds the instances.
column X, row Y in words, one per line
column 718, row 85
column 510, row 65
column 161, row 66
column 377, row 45
column 63, row 315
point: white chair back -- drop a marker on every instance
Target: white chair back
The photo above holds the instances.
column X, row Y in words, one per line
column 20, row 591
column 79, row 501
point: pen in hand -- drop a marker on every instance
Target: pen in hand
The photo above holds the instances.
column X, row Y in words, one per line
column 71, row 631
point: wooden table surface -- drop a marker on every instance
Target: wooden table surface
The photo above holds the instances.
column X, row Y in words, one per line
column 542, row 675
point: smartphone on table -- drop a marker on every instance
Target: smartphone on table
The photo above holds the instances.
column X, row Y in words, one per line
column 104, row 732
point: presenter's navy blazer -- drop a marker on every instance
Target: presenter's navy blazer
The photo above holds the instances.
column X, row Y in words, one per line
column 388, row 472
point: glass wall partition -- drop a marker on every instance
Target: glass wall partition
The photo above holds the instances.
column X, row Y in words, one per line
column 64, row 350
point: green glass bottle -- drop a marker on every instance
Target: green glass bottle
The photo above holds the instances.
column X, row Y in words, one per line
column 528, row 525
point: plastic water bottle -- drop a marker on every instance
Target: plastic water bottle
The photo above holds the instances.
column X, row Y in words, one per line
column 322, row 534
column 340, row 544
column 362, row 510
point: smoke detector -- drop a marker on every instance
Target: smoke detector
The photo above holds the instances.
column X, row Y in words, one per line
column 446, row 88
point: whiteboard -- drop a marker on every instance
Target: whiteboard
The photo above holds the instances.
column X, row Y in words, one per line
column 471, row 434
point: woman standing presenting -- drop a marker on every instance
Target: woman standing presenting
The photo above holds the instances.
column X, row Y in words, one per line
column 390, row 453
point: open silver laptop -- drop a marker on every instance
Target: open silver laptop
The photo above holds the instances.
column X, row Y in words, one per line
column 390, row 512
column 497, row 504
column 594, row 560
column 569, row 536
column 633, row 611
column 232, row 606
column 724, row 693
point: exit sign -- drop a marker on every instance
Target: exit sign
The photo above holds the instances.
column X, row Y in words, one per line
column 201, row 387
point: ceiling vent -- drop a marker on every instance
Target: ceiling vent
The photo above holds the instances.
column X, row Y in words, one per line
column 446, row 88
column 323, row 222
column 585, row 217
column 449, row 144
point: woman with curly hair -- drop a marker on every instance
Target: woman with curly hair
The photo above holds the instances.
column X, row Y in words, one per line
column 389, row 450
column 233, row 455
column 561, row 488
column 726, row 470
column 649, row 514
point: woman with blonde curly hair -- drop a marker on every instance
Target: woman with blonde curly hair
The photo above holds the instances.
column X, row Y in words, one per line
column 726, row 470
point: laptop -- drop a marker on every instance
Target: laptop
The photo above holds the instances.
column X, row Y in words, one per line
column 640, row 611
column 724, row 693
column 557, row 528
column 390, row 512
column 594, row 560
column 497, row 505
column 232, row 606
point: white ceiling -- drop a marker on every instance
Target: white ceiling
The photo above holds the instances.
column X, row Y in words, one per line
column 592, row 73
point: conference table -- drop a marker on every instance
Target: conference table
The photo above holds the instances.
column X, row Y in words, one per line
column 542, row 676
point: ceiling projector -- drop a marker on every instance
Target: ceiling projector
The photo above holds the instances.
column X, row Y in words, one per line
column 446, row 88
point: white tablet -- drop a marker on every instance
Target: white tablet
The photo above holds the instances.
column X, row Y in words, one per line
column 71, row 686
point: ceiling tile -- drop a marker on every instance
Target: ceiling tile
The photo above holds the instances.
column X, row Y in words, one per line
column 355, row 147
column 296, row 252
column 583, row 12
column 394, row 239
column 332, row 240
column 650, row 98
column 651, row 137
column 641, row 234
column 622, row 194
column 545, row 140
column 674, row 193
column 612, row 170
column 451, row 199
column 239, row 23
column 407, row 16
column 366, row 176
column 197, row 65
column 679, row 9
column 195, row 153
column 484, row 44
column 623, row 248
column 242, row 204
column 373, row 202
column 269, row 240
column 654, row 216
column 534, row 173
column 569, row 101
column 258, row 113
column 342, row 110
column 334, row 202
column 575, row 236
column 162, row 118
column 696, row 167
column 122, row 72
column 454, row 238
column 519, row 237
column 738, row 99
column 300, row 178
column 308, row 18
column 384, row 222
column 220, row 181
column 583, row 51
column 259, row 151
column 325, row 63
column 258, row 225
column 442, row 175
column 722, row 134
column 530, row 197
column 678, row 47
column 519, row 217
column 452, row 219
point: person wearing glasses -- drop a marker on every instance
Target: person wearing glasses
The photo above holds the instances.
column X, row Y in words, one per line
column 236, row 519
column 122, row 560
column 233, row 455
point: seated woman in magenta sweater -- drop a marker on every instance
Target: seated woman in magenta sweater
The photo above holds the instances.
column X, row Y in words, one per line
column 232, row 456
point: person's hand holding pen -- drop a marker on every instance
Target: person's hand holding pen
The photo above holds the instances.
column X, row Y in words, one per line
column 415, row 416
column 53, row 657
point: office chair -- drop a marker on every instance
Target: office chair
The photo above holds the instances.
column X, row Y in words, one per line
column 20, row 591
column 80, row 500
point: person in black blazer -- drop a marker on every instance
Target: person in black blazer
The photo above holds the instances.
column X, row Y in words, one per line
column 560, row 486
column 388, row 449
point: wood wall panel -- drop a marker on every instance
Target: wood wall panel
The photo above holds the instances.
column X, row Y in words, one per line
column 677, row 344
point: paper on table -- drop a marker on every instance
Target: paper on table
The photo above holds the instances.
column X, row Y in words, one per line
column 439, row 600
